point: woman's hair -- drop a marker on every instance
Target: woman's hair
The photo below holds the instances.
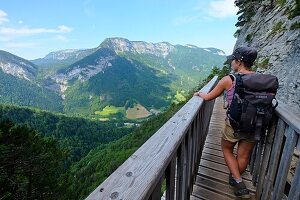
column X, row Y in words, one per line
column 247, row 64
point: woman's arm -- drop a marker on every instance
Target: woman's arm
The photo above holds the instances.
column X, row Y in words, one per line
column 224, row 83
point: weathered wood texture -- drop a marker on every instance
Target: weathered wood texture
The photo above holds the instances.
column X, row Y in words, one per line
column 212, row 178
column 174, row 153
column 274, row 155
column 180, row 140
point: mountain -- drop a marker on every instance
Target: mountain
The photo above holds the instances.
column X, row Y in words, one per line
column 188, row 63
column 18, row 86
column 59, row 59
column 16, row 66
column 104, row 78
column 126, row 74
column 116, row 80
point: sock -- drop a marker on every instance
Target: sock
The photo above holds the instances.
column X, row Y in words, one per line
column 238, row 180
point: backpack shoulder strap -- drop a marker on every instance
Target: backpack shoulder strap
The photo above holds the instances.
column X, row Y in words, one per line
column 238, row 82
column 232, row 76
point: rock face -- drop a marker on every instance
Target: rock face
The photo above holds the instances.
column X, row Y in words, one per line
column 161, row 49
column 276, row 36
column 16, row 66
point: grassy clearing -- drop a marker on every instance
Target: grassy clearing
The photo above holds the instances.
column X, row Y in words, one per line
column 137, row 112
column 109, row 110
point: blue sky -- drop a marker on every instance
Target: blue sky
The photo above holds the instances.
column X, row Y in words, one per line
column 33, row 28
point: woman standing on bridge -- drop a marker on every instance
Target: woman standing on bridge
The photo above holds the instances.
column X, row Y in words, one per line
column 241, row 61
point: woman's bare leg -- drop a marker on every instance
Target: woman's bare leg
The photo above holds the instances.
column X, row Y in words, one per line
column 230, row 159
column 243, row 154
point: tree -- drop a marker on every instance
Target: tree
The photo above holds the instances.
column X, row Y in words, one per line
column 247, row 10
column 30, row 165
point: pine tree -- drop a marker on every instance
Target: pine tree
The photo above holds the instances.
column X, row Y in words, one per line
column 30, row 165
column 247, row 10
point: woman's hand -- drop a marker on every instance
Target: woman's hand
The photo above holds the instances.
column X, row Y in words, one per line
column 196, row 94
column 200, row 94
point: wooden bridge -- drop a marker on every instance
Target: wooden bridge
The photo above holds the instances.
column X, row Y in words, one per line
column 183, row 159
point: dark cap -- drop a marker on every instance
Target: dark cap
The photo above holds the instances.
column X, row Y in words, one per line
column 244, row 54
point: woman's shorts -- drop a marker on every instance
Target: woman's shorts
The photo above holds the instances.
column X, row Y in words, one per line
column 229, row 135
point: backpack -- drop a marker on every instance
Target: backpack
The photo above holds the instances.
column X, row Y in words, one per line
column 252, row 106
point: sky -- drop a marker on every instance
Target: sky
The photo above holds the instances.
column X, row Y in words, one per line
column 33, row 28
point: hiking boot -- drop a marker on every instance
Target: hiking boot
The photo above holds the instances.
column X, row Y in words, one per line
column 231, row 181
column 241, row 191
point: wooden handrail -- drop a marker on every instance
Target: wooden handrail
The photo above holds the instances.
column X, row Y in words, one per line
column 271, row 160
column 173, row 151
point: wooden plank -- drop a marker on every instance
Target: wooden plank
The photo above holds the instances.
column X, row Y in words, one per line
column 213, row 140
column 292, row 119
column 294, row 191
column 189, row 161
column 203, row 193
column 285, row 162
column 156, row 194
column 181, row 172
column 170, row 180
column 213, row 165
column 274, row 160
column 223, row 177
column 194, row 161
column 213, row 137
column 196, row 198
column 257, row 163
column 213, row 158
column 213, row 152
column 266, row 156
column 221, row 188
column 213, row 146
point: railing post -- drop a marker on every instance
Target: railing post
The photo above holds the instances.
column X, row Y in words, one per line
column 156, row 194
column 170, row 180
column 295, row 191
column 284, row 163
column 189, row 163
column 257, row 162
column 266, row 156
column 269, row 179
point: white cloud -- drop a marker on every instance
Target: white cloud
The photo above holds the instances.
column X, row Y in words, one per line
column 222, row 8
column 3, row 17
column 206, row 10
column 32, row 31
column 64, row 29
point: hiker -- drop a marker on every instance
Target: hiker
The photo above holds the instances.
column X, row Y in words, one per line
column 241, row 61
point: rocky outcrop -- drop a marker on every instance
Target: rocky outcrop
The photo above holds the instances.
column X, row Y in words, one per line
column 276, row 36
column 161, row 49
column 16, row 66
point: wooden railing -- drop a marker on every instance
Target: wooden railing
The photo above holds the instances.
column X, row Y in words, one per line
column 173, row 151
column 271, row 160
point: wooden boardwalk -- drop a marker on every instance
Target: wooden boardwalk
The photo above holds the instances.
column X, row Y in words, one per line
column 212, row 178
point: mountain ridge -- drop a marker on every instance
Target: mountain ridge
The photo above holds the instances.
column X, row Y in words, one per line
column 120, row 72
column 17, row 66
